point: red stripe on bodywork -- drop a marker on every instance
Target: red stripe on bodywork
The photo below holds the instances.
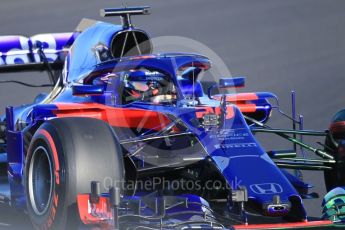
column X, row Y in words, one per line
column 238, row 97
column 242, row 101
column 217, row 110
column 285, row 225
column 205, row 110
column 247, row 108
column 47, row 135
column 118, row 117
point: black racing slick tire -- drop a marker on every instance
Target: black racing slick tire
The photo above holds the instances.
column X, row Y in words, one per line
column 64, row 156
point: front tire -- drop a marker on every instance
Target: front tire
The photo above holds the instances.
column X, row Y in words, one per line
column 64, row 156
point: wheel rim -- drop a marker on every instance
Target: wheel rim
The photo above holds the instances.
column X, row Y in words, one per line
column 40, row 182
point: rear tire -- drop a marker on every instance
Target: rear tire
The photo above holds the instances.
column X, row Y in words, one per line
column 64, row 156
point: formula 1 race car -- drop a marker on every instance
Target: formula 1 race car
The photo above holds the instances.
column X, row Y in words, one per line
column 128, row 139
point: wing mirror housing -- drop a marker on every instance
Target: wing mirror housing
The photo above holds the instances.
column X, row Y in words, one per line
column 236, row 82
column 81, row 90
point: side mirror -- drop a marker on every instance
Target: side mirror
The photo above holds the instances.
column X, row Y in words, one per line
column 79, row 90
column 225, row 83
column 235, row 82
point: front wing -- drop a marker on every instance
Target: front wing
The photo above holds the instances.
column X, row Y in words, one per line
column 152, row 211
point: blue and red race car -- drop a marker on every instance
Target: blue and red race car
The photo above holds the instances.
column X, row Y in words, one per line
column 128, row 139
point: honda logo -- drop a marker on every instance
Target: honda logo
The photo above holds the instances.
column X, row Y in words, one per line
column 266, row 188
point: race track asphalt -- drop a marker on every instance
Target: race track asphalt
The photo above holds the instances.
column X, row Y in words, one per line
column 279, row 45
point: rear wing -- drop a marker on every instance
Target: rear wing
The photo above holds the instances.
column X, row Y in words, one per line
column 20, row 53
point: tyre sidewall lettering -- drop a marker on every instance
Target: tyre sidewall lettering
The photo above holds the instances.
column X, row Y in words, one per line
column 47, row 220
